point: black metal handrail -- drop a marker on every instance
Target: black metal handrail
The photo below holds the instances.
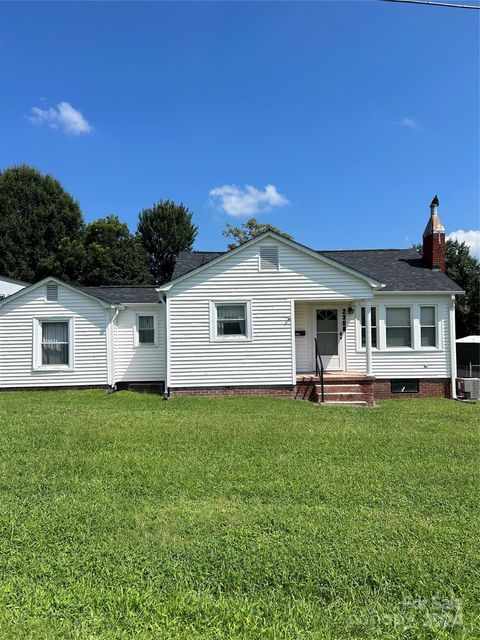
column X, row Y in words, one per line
column 319, row 369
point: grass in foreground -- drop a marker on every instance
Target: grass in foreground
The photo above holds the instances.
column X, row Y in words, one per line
column 128, row 517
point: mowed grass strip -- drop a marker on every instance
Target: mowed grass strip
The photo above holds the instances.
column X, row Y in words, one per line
column 125, row 516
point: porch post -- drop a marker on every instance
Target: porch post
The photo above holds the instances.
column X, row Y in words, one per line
column 368, row 336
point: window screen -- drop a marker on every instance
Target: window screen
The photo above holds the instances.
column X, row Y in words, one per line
column 231, row 319
column 404, row 386
column 55, row 343
column 269, row 258
column 398, row 327
column 146, row 330
column 428, row 327
column 374, row 327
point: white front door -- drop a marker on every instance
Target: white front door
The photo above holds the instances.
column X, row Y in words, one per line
column 328, row 332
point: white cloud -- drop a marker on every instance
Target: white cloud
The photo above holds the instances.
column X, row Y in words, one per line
column 409, row 122
column 248, row 201
column 472, row 238
column 63, row 117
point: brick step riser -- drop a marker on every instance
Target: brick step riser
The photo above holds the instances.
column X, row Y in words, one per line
column 344, row 397
column 343, row 388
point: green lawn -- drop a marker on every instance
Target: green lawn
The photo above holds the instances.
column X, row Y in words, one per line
column 125, row 516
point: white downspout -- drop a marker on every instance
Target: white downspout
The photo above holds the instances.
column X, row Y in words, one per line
column 113, row 377
column 167, row 345
column 453, row 349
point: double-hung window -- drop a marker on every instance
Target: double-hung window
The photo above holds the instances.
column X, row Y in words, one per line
column 364, row 327
column 55, row 343
column 398, row 327
column 146, row 329
column 428, row 327
column 231, row 320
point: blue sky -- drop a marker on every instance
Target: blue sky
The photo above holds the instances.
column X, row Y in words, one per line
column 355, row 113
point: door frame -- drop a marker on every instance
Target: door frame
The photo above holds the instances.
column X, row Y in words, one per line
column 342, row 356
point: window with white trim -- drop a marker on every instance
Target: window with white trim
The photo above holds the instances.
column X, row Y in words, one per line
column 268, row 258
column 398, row 327
column 230, row 320
column 363, row 322
column 55, row 343
column 428, row 327
column 146, row 329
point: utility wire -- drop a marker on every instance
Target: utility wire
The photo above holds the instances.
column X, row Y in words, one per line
column 437, row 4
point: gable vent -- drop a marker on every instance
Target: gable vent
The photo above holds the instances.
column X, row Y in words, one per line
column 269, row 258
column 52, row 292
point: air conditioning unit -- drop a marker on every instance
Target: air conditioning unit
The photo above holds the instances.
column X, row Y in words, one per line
column 468, row 388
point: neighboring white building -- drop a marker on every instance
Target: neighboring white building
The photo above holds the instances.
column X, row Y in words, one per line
column 9, row 286
column 248, row 321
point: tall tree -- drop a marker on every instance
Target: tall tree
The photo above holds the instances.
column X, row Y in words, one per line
column 249, row 229
column 463, row 269
column 37, row 218
column 112, row 255
column 166, row 229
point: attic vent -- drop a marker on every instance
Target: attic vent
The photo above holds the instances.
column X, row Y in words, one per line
column 52, row 292
column 269, row 258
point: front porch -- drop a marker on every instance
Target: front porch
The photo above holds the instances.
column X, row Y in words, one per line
column 342, row 331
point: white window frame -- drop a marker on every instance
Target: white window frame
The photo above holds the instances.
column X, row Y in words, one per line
column 214, row 337
column 360, row 348
column 37, row 345
column 418, row 327
column 136, row 337
column 401, row 305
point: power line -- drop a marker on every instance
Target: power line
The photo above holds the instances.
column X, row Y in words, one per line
column 437, row 4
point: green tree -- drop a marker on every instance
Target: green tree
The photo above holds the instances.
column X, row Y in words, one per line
column 39, row 220
column 249, row 229
column 463, row 269
column 165, row 229
column 112, row 255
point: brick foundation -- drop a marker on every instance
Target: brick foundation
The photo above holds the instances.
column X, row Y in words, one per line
column 428, row 388
column 281, row 391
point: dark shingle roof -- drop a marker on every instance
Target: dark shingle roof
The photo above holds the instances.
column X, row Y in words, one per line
column 398, row 269
column 124, row 294
column 190, row 260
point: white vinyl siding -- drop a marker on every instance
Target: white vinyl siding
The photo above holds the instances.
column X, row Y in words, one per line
column 196, row 360
column 18, row 318
column 135, row 362
column 303, row 344
column 416, row 362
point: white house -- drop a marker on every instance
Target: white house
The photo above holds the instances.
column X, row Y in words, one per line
column 269, row 317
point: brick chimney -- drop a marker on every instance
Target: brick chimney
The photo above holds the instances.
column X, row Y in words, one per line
column 434, row 239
